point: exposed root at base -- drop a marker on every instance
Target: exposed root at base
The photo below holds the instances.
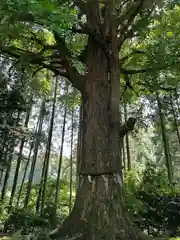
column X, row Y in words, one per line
column 82, row 236
column 78, row 232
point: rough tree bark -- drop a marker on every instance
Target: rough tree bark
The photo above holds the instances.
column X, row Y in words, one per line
column 99, row 209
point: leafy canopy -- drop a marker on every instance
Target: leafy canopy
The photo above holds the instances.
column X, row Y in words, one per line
column 53, row 35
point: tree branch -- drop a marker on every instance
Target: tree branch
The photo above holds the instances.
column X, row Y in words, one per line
column 70, row 71
column 127, row 127
column 130, row 14
column 74, row 77
column 143, row 70
column 128, row 17
column 60, row 50
column 93, row 15
column 122, row 60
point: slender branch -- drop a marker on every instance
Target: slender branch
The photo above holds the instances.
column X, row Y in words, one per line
column 57, row 71
column 130, row 14
column 122, row 60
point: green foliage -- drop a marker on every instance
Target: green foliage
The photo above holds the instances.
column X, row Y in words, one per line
column 153, row 203
column 28, row 220
column 24, row 220
column 154, row 56
column 46, row 13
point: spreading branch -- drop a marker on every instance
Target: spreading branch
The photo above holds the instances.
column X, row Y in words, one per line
column 59, row 50
column 37, row 58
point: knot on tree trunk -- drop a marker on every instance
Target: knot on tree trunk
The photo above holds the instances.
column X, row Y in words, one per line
column 127, row 126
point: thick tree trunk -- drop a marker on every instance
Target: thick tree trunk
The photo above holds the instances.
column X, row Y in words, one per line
column 99, row 211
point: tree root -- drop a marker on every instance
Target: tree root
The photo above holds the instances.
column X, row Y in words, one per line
column 98, row 214
column 80, row 230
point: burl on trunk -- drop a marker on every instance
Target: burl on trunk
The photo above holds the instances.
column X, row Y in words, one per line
column 99, row 212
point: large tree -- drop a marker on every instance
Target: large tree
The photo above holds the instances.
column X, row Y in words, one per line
column 83, row 42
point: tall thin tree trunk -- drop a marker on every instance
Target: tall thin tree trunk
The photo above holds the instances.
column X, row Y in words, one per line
column 165, row 141
column 24, row 175
column 4, row 148
column 71, row 162
column 19, row 158
column 7, row 174
column 177, row 102
column 48, row 148
column 79, row 147
column 4, row 188
column 123, row 156
column 5, row 159
column 39, row 196
column 10, row 159
column 31, row 174
column 127, row 142
column 175, row 118
column 1, row 175
column 27, row 163
column 60, row 158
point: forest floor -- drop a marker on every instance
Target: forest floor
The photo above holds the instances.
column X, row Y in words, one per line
column 18, row 237
column 9, row 238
